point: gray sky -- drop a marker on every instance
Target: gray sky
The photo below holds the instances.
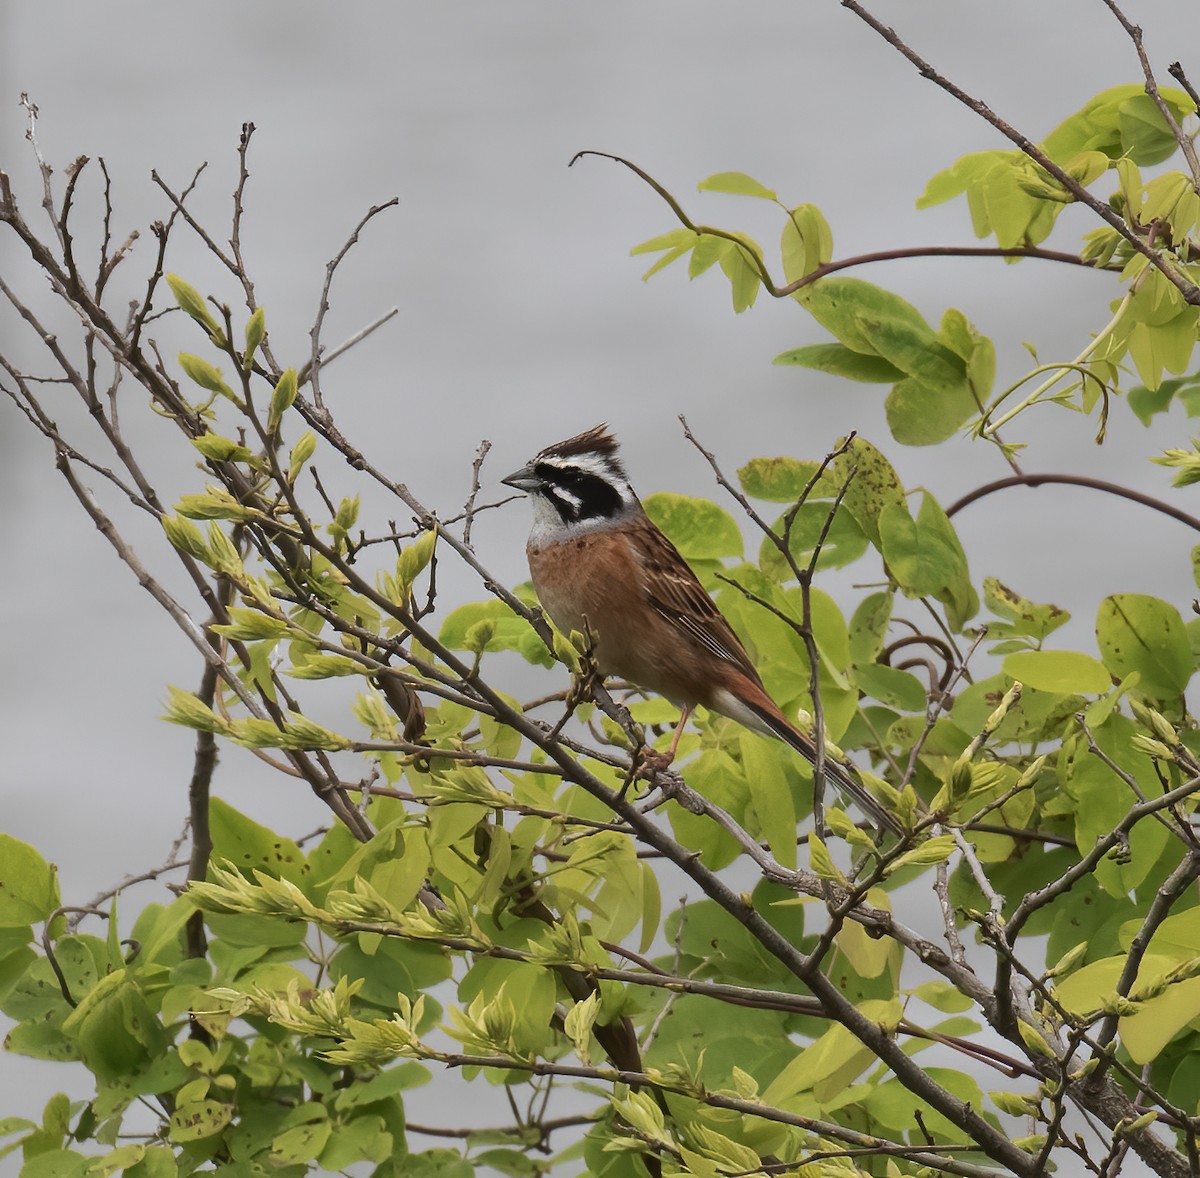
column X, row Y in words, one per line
column 522, row 319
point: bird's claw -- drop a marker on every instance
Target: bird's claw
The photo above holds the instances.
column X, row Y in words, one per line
column 653, row 766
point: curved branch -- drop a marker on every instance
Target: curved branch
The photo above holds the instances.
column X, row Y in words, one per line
column 1188, row 289
column 940, row 251
column 790, row 288
column 1074, row 480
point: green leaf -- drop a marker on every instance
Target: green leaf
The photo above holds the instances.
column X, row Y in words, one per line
column 215, row 503
column 805, row 243
column 298, row 732
column 666, row 241
column 1139, row 633
column 1068, row 672
column 781, row 480
column 998, row 187
column 922, row 562
column 920, row 414
column 707, row 252
column 252, row 625
column 942, row 996
column 508, row 630
column 205, row 374
column 256, row 330
column 874, row 486
column 189, row 300
column 933, row 850
column 1100, row 799
column 1097, row 126
column 833, row 1060
column 736, row 184
column 413, row 561
column 839, row 360
column 1025, row 616
column 823, row 865
column 185, row 536
column 363, row 1139
column 302, row 451
column 868, row 956
column 28, row 884
column 197, row 1119
column 1146, row 1033
column 57, row 1163
column 249, row 846
column 1147, row 404
column 891, row 686
column 186, row 709
column 854, row 311
column 955, row 180
column 220, row 449
column 869, row 626
column 282, row 400
column 698, row 528
column 325, row 666
column 771, row 794
column 116, row 1031
column 677, row 243
column 916, row 351
column 958, row 595
column 301, row 1143
column 743, row 275
column 1145, row 136
column 844, row 542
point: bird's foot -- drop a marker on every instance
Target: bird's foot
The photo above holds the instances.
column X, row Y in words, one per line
column 653, row 766
column 583, row 684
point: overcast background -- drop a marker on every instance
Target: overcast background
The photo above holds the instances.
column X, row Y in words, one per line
column 522, row 319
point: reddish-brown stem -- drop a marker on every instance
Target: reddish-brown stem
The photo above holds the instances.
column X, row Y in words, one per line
column 1074, row 480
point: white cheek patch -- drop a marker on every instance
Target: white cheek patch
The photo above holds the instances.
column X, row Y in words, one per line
column 548, row 525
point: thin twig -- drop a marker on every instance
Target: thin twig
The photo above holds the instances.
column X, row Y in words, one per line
column 469, row 507
column 1187, row 288
column 1184, row 140
column 313, row 369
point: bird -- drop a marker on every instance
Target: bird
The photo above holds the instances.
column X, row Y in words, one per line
column 601, row 566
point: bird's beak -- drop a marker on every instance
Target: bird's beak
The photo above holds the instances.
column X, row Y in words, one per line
column 523, row 479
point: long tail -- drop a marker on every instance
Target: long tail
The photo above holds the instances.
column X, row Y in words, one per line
column 838, row 774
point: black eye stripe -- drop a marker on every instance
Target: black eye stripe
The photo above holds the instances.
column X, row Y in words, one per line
column 578, row 494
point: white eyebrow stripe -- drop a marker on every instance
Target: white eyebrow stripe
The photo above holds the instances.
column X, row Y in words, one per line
column 593, row 464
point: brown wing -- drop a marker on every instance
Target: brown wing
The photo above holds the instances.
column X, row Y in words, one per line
column 675, row 593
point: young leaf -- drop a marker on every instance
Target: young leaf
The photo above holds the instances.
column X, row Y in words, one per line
column 281, row 400
column 806, row 242
column 205, row 374
column 743, row 278
column 185, row 708
column 256, row 330
column 302, row 451
column 220, row 449
column 185, row 536
column 189, row 300
column 736, row 184
column 839, row 360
